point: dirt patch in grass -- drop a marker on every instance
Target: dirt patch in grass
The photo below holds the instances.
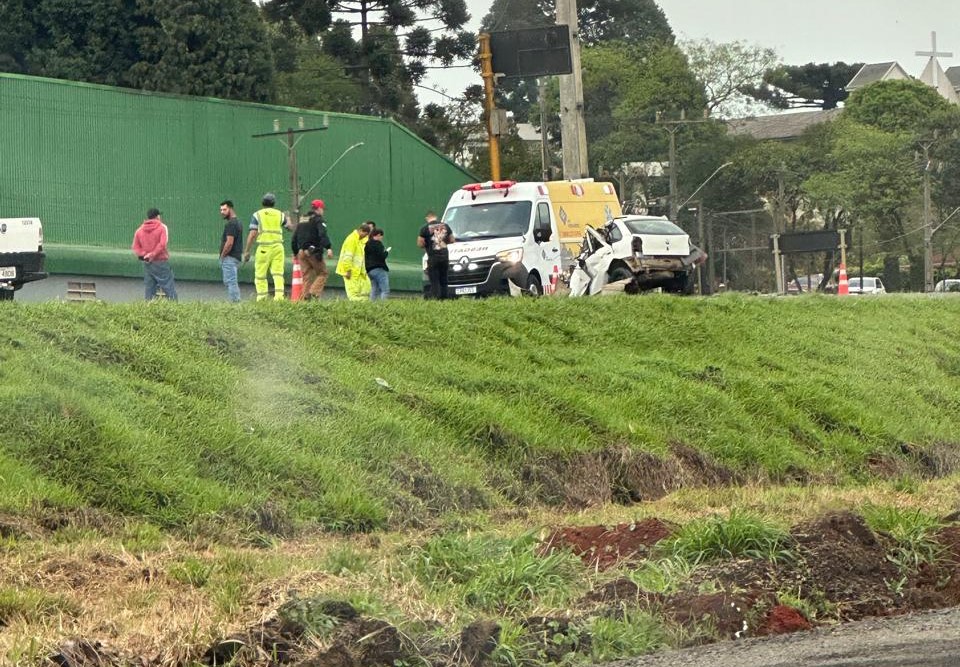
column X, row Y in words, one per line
column 622, row 475
column 603, row 547
column 434, row 494
column 782, row 620
column 836, row 565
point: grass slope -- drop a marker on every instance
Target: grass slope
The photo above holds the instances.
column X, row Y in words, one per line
column 269, row 418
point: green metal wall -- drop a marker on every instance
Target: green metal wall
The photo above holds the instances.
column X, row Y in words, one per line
column 90, row 160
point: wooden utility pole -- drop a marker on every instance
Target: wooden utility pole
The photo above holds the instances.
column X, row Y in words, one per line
column 927, row 220
column 290, row 141
column 489, row 84
column 573, row 129
column 672, row 127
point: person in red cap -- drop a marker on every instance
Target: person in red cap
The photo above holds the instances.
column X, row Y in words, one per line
column 310, row 243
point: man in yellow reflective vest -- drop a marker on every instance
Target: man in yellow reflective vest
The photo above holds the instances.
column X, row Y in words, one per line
column 266, row 228
column 351, row 264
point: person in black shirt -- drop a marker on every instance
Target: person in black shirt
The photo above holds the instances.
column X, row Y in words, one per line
column 375, row 258
column 434, row 238
column 309, row 245
column 231, row 250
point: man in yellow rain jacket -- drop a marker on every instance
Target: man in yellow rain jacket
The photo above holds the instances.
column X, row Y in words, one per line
column 266, row 228
column 351, row 264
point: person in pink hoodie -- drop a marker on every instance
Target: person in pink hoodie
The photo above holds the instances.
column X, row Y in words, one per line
column 150, row 246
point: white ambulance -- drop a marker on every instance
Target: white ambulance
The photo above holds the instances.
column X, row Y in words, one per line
column 21, row 254
column 525, row 233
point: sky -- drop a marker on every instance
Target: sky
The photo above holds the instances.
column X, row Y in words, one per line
column 870, row 31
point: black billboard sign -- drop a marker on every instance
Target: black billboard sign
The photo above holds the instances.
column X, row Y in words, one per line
column 532, row 52
column 826, row 239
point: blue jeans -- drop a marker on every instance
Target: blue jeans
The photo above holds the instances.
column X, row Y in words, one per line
column 379, row 284
column 158, row 275
column 229, row 267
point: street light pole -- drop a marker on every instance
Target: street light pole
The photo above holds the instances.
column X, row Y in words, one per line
column 709, row 178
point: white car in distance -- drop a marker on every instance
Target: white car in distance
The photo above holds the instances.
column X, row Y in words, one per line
column 948, row 285
column 866, row 285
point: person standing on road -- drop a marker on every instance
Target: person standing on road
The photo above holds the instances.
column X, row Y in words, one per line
column 375, row 258
column 150, row 246
column 434, row 238
column 310, row 243
column 231, row 250
column 266, row 228
column 351, row 264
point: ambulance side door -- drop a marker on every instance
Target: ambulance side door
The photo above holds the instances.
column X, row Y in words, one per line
column 547, row 238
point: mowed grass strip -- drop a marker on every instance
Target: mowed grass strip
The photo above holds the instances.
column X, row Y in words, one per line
column 267, row 419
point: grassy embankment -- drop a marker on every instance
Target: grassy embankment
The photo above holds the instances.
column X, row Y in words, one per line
column 213, row 443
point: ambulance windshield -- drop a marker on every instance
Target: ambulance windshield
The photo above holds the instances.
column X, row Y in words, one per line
column 489, row 220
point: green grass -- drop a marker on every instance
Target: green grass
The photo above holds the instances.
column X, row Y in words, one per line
column 636, row 633
column 721, row 537
column 33, row 605
column 914, row 532
column 496, row 574
column 260, row 421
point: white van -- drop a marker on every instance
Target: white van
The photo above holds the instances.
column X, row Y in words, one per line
column 21, row 254
column 527, row 233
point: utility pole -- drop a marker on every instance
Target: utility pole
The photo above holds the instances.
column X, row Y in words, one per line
column 290, row 141
column 927, row 220
column 702, row 270
column 493, row 125
column 544, row 145
column 843, row 247
column 572, row 124
column 711, row 259
column 780, row 223
column 672, row 126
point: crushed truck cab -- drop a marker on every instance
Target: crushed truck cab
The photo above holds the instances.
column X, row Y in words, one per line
column 21, row 254
column 642, row 251
column 519, row 237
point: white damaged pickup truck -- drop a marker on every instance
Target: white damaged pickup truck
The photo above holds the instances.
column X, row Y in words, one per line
column 641, row 251
column 21, row 254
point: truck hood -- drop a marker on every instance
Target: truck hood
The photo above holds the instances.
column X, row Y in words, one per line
column 483, row 247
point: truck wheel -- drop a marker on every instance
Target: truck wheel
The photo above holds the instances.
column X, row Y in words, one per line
column 619, row 272
column 6, row 295
column 681, row 284
column 533, row 285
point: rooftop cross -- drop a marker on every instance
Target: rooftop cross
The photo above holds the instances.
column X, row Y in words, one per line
column 934, row 54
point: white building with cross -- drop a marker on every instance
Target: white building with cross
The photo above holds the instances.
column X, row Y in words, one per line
column 946, row 82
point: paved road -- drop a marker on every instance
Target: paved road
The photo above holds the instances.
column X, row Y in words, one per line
column 930, row 639
column 125, row 290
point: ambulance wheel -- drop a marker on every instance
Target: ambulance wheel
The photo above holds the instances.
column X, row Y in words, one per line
column 533, row 285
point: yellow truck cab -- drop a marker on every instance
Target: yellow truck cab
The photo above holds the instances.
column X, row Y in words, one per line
column 526, row 233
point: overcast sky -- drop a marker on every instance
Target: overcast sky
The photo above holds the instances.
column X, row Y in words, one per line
column 800, row 32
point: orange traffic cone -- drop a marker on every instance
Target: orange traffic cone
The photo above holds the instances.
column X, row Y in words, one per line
column 554, row 279
column 296, row 287
column 843, row 286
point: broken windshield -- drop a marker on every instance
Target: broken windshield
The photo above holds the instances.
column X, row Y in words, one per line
column 489, row 220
